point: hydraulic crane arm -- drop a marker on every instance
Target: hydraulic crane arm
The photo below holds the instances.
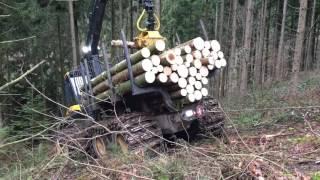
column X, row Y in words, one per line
column 95, row 24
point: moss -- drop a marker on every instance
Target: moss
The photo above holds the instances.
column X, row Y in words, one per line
column 316, row 176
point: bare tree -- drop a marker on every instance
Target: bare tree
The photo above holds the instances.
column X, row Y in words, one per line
column 310, row 42
column 73, row 34
column 278, row 74
column 299, row 45
column 247, row 46
column 233, row 64
column 1, row 117
column 260, row 43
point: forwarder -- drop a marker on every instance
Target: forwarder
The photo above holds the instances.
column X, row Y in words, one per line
column 137, row 104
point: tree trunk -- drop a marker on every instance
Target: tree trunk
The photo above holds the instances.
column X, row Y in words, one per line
column 157, row 6
column 299, row 45
column 73, row 34
column 233, row 65
column 247, row 46
column 216, row 23
column 1, row 118
column 61, row 61
column 259, row 52
column 278, row 75
column 310, row 42
column 269, row 48
column 131, row 20
column 221, row 21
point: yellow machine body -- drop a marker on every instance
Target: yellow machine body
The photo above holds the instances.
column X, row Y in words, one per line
column 72, row 109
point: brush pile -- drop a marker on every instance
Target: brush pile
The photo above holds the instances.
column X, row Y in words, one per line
column 183, row 70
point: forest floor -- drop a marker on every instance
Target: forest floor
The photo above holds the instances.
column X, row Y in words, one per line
column 274, row 137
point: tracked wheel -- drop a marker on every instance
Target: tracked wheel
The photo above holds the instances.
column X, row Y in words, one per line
column 140, row 133
column 99, row 146
column 213, row 121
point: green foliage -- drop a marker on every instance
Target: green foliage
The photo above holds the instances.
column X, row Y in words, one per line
column 182, row 17
column 248, row 119
column 316, row 176
column 27, row 163
column 3, row 133
column 169, row 170
column 28, row 119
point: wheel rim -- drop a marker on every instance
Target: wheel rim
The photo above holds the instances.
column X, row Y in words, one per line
column 122, row 144
column 100, row 147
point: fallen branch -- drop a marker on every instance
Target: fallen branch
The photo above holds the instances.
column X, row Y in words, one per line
column 22, row 76
column 5, row 15
column 17, row 40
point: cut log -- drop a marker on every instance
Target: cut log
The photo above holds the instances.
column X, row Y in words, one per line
column 198, row 95
column 177, row 51
column 157, row 47
column 184, row 92
column 179, row 60
column 119, row 43
column 174, row 67
column 191, row 98
column 197, row 63
column 174, row 77
column 215, row 45
column 155, row 59
column 179, row 93
column 210, row 67
column 198, row 85
column 187, row 64
column 205, row 53
column 186, row 50
column 154, row 70
column 183, row 71
column 135, row 58
column 190, row 89
column 223, row 62
column 149, row 78
column 204, row 92
column 187, row 58
column 143, row 66
column 160, row 68
column 167, row 70
column 191, row 80
column 218, row 64
column 211, row 60
column 168, row 58
column 182, row 82
column 192, row 71
column 207, row 45
column 197, row 43
column 214, row 55
column 162, row 78
column 220, row 54
column 125, row 87
column 204, row 80
column 196, row 54
column 204, row 71
column 198, row 77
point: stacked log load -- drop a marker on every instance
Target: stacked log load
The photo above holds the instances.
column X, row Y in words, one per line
column 183, row 70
